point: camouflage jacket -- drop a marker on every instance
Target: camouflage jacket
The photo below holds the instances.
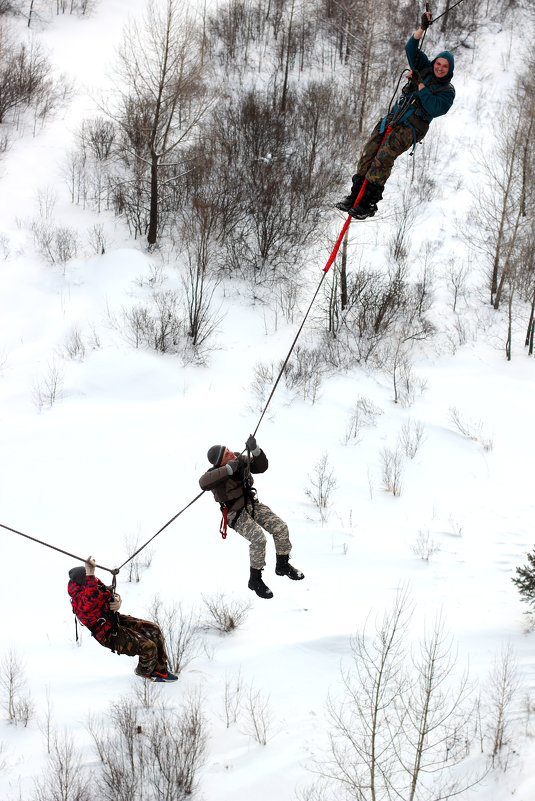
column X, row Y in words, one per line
column 232, row 489
column 90, row 604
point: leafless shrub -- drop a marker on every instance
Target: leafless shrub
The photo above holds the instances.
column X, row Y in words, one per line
column 97, row 136
column 392, row 470
column 154, row 755
column 46, row 200
column 5, row 248
column 48, row 390
column 181, row 630
column 96, row 238
column 304, row 372
column 411, row 437
column 139, row 562
column 456, row 276
column 57, row 245
column 15, row 702
column 159, row 325
column 288, row 295
column 225, row 614
column 425, row 547
column 178, row 744
column 74, row 345
column 264, row 377
column 45, row 723
column 259, row 722
column 503, row 687
column 232, row 697
column 363, row 415
column 405, row 218
column 323, row 483
column 470, row 429
column 65, row 778
column 147, row 693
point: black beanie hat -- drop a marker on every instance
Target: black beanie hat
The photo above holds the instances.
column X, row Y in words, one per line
column 77, row 574
column 215, row 454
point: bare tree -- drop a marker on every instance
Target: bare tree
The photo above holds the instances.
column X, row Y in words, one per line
column 503, row 688
column 322, row 483
column 225, row 614
column 181, row 632
column 12, row 684
column 162, row 67
column 65, row 778
column 402, row 729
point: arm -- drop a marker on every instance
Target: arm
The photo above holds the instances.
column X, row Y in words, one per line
column 437, row 104
column 211, row 478
column 417, row 58
column 259, row 463
column 93, row 599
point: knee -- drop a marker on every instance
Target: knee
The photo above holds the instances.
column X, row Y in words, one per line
column 258, row 538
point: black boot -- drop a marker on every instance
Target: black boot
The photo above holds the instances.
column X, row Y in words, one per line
column 257, row 585
column 284, row 568
column 348, row 202
column 368, row 203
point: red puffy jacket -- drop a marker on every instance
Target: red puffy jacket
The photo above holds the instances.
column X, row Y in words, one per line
column 90, row 604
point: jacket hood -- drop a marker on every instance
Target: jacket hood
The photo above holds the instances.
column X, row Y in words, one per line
column 451, row 61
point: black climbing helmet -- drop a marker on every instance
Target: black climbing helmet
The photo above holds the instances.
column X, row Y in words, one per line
column 215, row 454
column 77, row 574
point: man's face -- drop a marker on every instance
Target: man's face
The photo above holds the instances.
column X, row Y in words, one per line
column 228, row 456
column 441, row 67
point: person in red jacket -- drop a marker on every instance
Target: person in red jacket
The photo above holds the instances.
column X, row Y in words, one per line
column 97, row 608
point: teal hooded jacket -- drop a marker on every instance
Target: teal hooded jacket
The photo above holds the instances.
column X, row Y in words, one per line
column 438, row 94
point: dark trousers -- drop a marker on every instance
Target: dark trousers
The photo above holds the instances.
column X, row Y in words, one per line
column 136, row 637
column 377, row 160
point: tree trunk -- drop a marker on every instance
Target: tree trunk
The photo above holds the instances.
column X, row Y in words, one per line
column 153, row 217
column 343, row 273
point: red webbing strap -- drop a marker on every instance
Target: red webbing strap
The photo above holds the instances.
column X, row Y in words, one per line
column 223, row 524
column 349, row 218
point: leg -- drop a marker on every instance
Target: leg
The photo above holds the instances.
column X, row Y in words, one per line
column 370, row 150
column 397, row 142
column 279, row 530
column 136, row 637
column 251, row 530
column 272, row 523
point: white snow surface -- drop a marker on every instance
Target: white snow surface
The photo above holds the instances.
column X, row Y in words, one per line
column 121, row 452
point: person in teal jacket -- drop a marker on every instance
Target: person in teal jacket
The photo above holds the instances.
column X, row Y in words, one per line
column 428, row 94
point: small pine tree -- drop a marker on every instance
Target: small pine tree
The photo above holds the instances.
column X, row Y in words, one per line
column 525, row 580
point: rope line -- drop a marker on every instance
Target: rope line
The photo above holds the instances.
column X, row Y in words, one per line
column 113, row 571
column 161, row 529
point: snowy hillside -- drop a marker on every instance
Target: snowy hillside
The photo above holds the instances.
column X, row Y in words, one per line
column 103, row 443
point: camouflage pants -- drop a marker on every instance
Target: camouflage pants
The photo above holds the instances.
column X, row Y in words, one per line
column 377, row 160
column 250, row 523
column 141, row 638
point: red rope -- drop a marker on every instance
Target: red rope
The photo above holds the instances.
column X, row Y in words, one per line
column 223, row 524
column 338, row 242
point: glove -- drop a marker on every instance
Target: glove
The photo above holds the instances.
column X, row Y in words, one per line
column 417, row 77
column 232, row 466
column 425, row 22
column 115, row 605
column 251, row 443
column 90, row 565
